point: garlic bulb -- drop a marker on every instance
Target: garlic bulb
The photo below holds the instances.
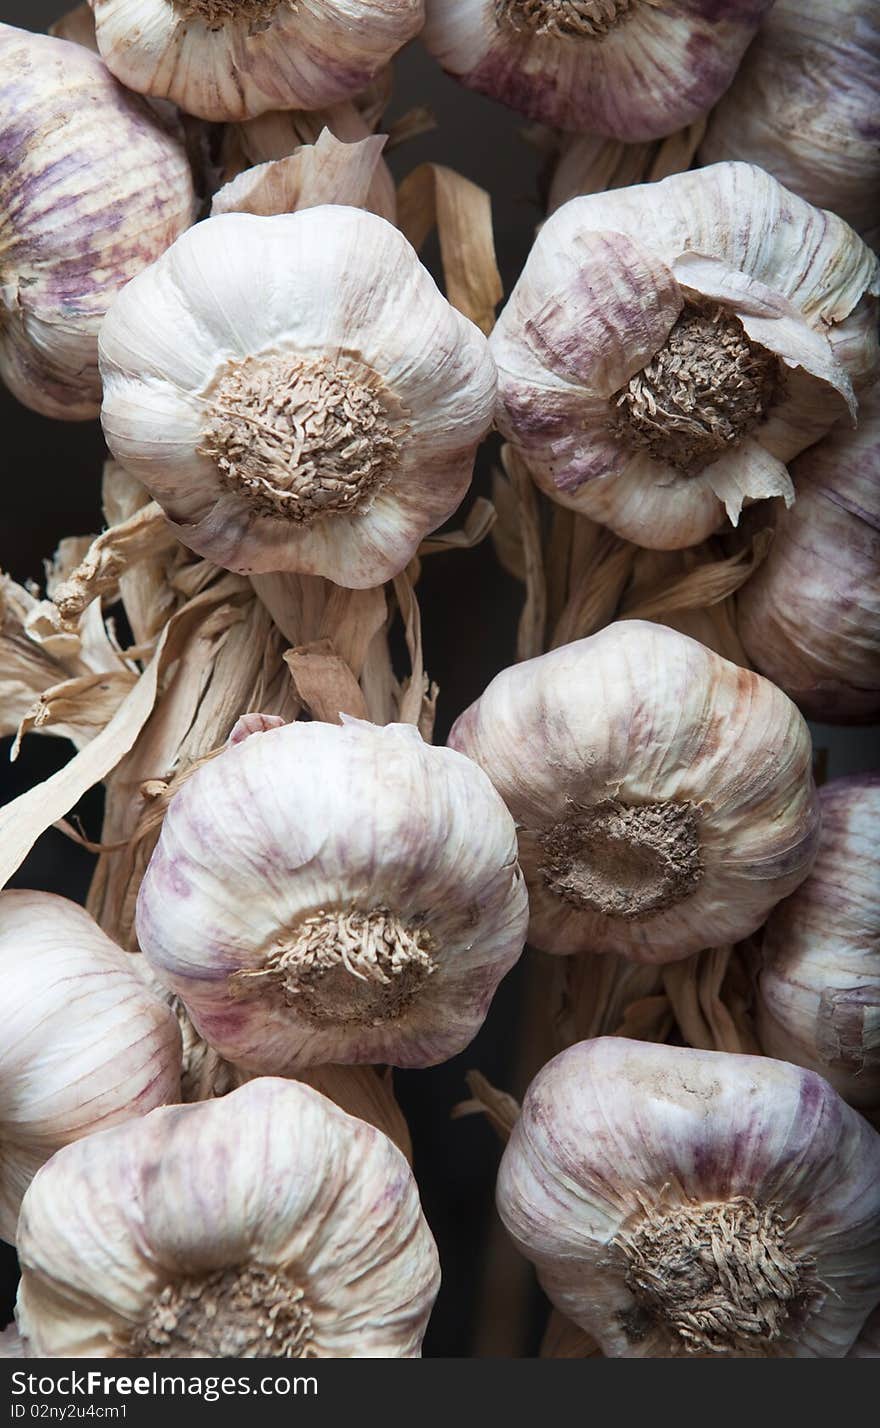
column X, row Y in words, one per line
column 810, row 617
column 804, row 104
column 296, row 393
column 668, row 348
column 664, row 797
column 266, row 1224
column 232, row 59
column 93, row 187
column 630, row 69
column 695, row 1203
column 334, row 894
column 818, row 1001
column 84, row 1043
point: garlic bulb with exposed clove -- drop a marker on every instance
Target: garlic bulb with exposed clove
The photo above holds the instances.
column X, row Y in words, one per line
column 818, row 993
column 631, row 69
column 809, row 618
column 232, row 59
column 668, row 348
column 93, row 187
column 296, row 393
column 85, row 1044
column 694, row 1203
column 664, row 796
column 804, row 106
column 334, row 894
column 265, row 1224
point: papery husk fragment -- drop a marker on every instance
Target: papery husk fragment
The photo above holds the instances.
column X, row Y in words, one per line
column 434, row 195
column 327, row 171
column 589, row 163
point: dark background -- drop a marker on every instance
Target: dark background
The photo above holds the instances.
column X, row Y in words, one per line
column 51, row 488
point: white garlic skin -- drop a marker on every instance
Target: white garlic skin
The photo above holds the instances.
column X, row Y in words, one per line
column 271, row 1187
column 809, row 618
column 85, row 1044
column 804, row 105
column 311, row 822
column 664, row 797
column 601, row 322
column 614, row 1132
column 818, row 993
column 274, row 301
column 628, row 69
column 225, row 66
column 93, row 188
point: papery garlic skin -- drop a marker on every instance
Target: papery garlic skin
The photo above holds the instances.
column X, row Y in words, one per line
column 804, row 106
column 85, row 1044
column 664, row 797
column 334, row 894
column 818, row 993
column 809, row 618
column 668, row 348
column 234, row 59
column 279, row 134
column 265, row 1224
column 629, row 69
column 93, row 187
column 696, row 1203
column 296, row 393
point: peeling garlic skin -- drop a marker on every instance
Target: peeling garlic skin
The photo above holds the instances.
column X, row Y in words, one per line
column 681, row 1203
column 267, row 1223
column 809, row 618
column 664, row 797
column 628, row 69
column 93, row 188
column 86, row 1044
column 229, row 60
column 670, row 347
column 818, row 994
column 297, row 394
column 323, row 894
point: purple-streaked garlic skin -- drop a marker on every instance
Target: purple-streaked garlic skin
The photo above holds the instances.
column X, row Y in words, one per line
column 818, row 993
column 615, row 1134
column 229, row 67
column 93, row 187
column 810, row 616
column 804, row 106
column 297, row 826
column 269, row 1187
column 647, row 71
column 86, row 1043
column 664, row 796
column 711, row 273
